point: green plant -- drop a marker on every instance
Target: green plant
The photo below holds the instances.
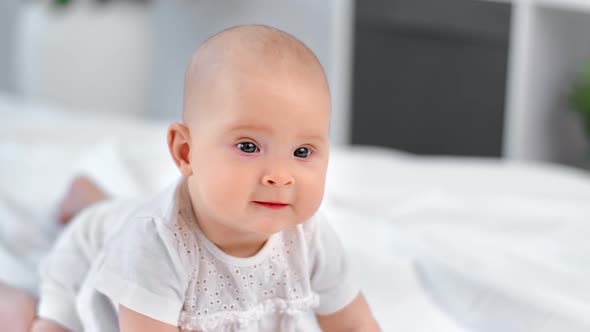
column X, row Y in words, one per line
column 580, row 98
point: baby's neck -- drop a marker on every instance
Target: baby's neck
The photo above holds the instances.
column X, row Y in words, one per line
column 241, row 250
column 232, row 242
column 229, row 240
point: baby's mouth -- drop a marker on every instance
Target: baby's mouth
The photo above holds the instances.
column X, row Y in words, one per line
column 272, row 205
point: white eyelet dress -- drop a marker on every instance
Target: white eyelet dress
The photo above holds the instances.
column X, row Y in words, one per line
column 161, row 265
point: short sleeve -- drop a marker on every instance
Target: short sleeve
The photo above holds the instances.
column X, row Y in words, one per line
column 331, row 274
column 141, row 270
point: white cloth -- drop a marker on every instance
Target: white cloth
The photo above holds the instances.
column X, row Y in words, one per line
column 156, row 261
column 65, row 271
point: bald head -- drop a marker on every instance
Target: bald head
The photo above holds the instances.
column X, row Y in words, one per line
column 251, row 51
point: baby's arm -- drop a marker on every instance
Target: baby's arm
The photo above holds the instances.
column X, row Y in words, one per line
column 342, row 306
column 131, row 321
column 356, row 316
column 17, row 308
column 43, row 325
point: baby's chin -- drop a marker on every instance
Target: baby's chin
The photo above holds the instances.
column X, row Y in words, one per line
column 268, row 225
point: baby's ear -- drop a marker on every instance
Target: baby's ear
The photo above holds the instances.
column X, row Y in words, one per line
column 179, row 146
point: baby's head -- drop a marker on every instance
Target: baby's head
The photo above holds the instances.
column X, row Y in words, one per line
column 254, row 132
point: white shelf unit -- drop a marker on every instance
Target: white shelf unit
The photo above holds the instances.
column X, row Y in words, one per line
column 550, row 41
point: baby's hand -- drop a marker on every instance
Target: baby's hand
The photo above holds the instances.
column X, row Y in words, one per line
column 356, row 317
column 43, row 325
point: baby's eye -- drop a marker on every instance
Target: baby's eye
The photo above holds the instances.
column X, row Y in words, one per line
column 302, row 152
column 247, row 147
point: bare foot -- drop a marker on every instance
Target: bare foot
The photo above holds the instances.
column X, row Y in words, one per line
column 82, row 193
column 17, row 309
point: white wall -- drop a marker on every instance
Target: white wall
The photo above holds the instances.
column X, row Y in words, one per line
column 85, row 55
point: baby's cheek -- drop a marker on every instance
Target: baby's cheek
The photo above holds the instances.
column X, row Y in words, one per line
column 310, row 197
column 228, row 190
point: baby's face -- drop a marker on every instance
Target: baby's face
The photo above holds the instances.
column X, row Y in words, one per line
column 260, row 152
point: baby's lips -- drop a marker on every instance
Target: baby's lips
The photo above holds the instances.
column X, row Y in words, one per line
column 272, row 205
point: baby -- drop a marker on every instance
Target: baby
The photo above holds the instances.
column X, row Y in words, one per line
column 237, row 244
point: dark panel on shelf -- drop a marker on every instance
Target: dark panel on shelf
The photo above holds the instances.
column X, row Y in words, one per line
column 430, row 75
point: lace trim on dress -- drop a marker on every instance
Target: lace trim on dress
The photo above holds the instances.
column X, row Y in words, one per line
column 190, row 321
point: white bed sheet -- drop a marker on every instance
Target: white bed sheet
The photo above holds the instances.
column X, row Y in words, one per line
column 441, row 244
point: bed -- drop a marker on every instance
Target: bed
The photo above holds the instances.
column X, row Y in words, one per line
column 440, row 243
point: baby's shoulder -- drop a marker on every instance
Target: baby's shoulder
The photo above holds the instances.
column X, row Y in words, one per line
column 154, row 216
column 98, row 222
column 312, row 225
column 150, row 238
column 146, row 225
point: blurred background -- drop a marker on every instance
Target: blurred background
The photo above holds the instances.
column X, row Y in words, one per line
column 452, row 77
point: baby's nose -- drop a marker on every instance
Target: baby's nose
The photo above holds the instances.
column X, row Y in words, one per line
column 278, row 179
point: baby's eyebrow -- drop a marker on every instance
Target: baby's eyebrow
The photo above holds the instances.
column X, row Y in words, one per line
column 314, row 138
column 250, row 127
